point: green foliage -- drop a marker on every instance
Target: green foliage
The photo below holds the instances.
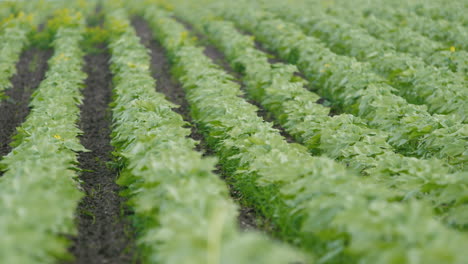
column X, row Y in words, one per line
column 61, row 17
column 439, row 88
column 20, row 29
column 95, row 37
column 354, row 87
column 452, row 11
column 362, row 203
column 314, row 201
column 38, row 192
column 451, row 33
column 404, row 39
column 14, row 37
column 184, row 211
column 345, row 138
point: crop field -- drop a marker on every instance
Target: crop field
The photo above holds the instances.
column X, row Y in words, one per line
column 220, row 131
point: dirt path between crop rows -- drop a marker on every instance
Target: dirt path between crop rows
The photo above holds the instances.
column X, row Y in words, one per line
column 105, row 233
column 166, row 84
column 31, row 69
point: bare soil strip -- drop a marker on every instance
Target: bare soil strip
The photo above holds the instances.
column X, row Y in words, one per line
column 105, row 233
column 166, row 84
column 31, row 69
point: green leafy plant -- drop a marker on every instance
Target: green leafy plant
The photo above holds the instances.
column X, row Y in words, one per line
column 403, row 38
column 14, row 37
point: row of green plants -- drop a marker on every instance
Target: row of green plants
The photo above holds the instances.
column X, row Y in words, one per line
column 183, row 212
column 449, row 32
column 343, row 137
column 39, row 191
column 403, row 38
column 441, row 90
column 354, row 88
column 13, row 38
column 454, row 11
column 314, row 202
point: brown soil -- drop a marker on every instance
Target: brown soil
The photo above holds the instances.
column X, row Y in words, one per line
column 105, row 234
column 31, row 69
column 174, row 92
